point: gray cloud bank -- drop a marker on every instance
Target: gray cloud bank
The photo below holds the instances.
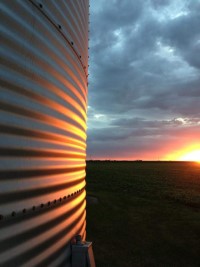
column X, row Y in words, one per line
column 144, row 87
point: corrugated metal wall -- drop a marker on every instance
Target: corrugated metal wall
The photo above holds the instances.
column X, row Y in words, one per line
column 43, row 102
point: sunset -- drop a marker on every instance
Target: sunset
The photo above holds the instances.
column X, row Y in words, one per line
column 191, row 156
column 188, row 153
column 144, row 83
column 100, row 133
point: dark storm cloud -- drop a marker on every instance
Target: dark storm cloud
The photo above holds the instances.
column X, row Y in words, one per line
column 144, row 72
column 141, row 128
column 159, row 3
column 183, row 33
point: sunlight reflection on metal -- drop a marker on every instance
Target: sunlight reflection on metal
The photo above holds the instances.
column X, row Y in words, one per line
column 43, row 105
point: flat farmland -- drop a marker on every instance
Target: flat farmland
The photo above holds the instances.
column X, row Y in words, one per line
column 144, row 213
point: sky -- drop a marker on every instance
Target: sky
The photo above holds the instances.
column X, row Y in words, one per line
column 144, row 79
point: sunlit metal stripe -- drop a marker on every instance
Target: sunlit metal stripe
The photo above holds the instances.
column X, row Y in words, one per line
column 15, row 174
column 42, row 117
column 45, row 136
column 25, row 194
column 56, row 26
column 77, row 20
column 70, row 101
column 9, row 35
column 64, row 256
column 44, row 212
column 9, row 61
column 56, row 227
column 75, row 33
column 16, row 152
column 46, row 101
column 43, row 105
column 9, row 240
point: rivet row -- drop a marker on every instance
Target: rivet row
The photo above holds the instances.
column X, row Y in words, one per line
column 42, row 205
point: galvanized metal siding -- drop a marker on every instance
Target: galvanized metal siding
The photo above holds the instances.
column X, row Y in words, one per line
column 43, row 102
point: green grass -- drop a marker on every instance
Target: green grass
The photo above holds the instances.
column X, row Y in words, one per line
column 148, row 213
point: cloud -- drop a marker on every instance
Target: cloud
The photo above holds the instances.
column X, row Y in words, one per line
column 144, row 72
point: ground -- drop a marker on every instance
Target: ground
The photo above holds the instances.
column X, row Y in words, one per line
column 147, row 213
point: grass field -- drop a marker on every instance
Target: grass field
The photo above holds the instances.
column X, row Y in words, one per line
column 148, row 213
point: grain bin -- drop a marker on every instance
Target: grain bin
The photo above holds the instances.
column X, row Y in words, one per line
column 43, row 102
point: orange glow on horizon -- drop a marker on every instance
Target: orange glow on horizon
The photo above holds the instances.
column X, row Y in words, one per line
column 191, row 153
column 191, row 156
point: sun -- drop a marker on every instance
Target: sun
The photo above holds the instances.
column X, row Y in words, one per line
column 191, row 156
